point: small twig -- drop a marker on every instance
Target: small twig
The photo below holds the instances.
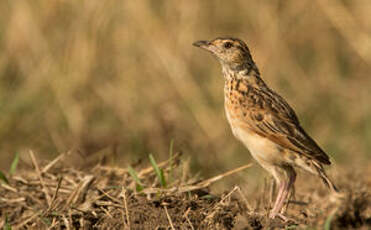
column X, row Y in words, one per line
column 44, row 188
column 126, row 226
column 78, row 194
column 54, row 223
column 82, row 223
column 169, row 219
column 123, row 194
column 220, row 204
column 55, row 194
column 72, row 182
column 186, row 216
column 23, row 223
column 20, row 179
column 200, row 185
column 53, row 162
column 107, row 213
column 108, row 203
column 109, row 196
column 10, row 201
column 206, row 183
column 244, row 199
column 8, row 187
column 229, row 194
column 66, row 222
column 70, row 217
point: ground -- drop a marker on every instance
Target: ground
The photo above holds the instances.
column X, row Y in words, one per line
column 55, row 196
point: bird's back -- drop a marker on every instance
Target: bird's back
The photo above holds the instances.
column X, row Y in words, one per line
column 251, row 105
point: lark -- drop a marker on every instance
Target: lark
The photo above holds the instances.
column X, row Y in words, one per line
column 264, row 122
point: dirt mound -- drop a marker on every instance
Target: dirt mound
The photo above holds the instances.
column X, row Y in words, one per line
column 56, row 197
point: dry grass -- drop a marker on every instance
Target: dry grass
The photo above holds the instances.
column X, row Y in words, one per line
column 59, row 197
column 55, row 196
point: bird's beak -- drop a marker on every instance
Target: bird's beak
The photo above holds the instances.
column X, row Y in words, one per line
column 209, row 46
column 202, row 44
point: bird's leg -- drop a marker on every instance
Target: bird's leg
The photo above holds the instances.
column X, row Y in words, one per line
column 282, row 195
column 291, row 188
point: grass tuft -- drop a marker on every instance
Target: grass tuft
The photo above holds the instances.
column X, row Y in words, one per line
column 328, row 221
column 7, row 225
column 14, row 164
column 290, row 227
column 159, row 172
column 134, row 175
column 3, row 177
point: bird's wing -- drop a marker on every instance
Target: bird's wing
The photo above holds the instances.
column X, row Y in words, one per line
column 269, row 115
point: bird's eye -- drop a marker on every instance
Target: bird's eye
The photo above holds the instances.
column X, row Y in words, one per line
column 228, row 45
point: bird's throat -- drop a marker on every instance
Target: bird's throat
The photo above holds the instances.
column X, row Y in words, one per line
column 239, row 71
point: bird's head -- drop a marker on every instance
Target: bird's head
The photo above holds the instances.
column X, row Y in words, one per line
column 231, row 52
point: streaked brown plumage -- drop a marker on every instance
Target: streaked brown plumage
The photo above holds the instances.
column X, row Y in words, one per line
column 263, row 121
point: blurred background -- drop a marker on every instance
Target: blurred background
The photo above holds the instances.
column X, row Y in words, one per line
column 113, row 81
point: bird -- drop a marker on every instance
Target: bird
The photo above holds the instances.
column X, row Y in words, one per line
column 264, row 122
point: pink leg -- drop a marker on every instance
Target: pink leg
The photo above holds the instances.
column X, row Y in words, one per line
column 292, row 178
column 283, row 193
column 281, row 196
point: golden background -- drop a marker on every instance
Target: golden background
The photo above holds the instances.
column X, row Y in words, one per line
column 121, row 79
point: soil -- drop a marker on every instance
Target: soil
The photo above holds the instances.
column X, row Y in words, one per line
column 54, row 196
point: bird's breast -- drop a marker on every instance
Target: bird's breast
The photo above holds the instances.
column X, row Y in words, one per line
column 261, row 148
column 235, row 115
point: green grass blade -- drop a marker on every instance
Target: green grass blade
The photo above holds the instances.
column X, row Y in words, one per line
column 7, row 225
column 46, row 221
column 291, row 227
column 328, row 221
column 3, row 177
column 159, row 172
column 14, row 164
column 139, row 184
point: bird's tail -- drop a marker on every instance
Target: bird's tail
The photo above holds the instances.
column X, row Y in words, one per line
column 316, row 168
column 326, row 180
column 337, row 195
